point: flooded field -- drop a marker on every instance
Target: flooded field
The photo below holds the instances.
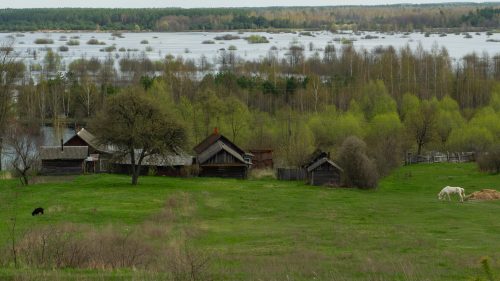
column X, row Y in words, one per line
column 32, row 46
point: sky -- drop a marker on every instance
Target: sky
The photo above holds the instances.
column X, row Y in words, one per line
column 200, row 3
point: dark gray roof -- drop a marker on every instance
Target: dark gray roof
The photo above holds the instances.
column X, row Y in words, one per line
column 69, row 152
column 212, row 139
column 172, row 159
column 320, row 162
column 93, row 141
column 216, row 148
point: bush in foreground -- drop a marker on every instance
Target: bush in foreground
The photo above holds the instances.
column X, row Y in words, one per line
column 359, row 170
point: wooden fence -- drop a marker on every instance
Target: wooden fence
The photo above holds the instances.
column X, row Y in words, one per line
column 439, row 157
column 291, row 174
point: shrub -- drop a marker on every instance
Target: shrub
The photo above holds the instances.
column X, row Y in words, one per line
column 110, row 49
column 232, row 48
column 117, row 34
column 227, row 37
column 68, row 245
column 257, row 39
column 73, row 42
column 94, row 41
column 359, row 170
column 208, row 42
column 6, row 49
column 44, row 41
column 144, row 42
column 306, row 33
column 63, row 48
column 489, row 161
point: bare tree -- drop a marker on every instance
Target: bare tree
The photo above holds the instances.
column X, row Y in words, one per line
column 10, row 72
column 23, row 143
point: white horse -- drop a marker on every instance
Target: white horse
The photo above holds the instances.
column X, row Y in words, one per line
column 450, row 190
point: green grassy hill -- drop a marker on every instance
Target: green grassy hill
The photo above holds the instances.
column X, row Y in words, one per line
column 277, row 230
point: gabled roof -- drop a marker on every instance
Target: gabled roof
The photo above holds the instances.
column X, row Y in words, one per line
column 69, row 152
column 320, row 162
column 91, row 140
column 216, row 148
column 213, row 138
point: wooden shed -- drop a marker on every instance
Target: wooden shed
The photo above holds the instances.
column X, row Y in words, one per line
column 61, row 160
column 262, row 158
column 160, row 165
column 324, row 171
column 219, row 157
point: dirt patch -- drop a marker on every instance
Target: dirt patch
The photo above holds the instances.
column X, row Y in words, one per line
column 5, row 176
column 485, row 194
column 52, row 179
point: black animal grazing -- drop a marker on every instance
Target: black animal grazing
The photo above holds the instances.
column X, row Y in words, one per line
column 37, row 211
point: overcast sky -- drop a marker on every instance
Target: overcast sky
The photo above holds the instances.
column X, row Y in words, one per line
column 198, row 3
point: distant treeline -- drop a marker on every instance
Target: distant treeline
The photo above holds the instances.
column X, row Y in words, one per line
column 384, row 18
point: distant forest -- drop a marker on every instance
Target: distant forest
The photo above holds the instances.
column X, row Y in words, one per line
column 383, row 18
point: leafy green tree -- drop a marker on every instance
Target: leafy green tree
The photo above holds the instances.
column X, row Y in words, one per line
column 489, row 119
column 294, row 141
column 236, row 118
column 52, row 61
column 495, row 98
column 409, row 104
column 471, row 138
column 137, row 128
column 448, row 118
column 421, row 123
column 322, row 124
column 384, row 140
column 376, row 100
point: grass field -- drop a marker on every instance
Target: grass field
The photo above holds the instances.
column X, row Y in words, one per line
column 276, row 230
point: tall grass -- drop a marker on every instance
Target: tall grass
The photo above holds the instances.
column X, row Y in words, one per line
column 149, row 247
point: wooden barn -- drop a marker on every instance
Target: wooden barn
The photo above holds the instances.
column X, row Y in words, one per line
column 173, row 165
column 219, row 157
column 100, row 154
column 262, row 159
column 61, row 160
column 323, row 171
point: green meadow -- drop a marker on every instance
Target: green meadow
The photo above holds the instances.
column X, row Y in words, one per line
column 273, row 230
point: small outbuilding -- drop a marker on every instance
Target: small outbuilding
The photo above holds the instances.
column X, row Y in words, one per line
column 174, row 165
column 61, row 160
column 262, row 158
column 324, row 171
column 219, row 157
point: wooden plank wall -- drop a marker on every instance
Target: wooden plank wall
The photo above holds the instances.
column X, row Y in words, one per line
column 237, row 172
column 62, row 167
column 291, row 174
column 325, row 177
